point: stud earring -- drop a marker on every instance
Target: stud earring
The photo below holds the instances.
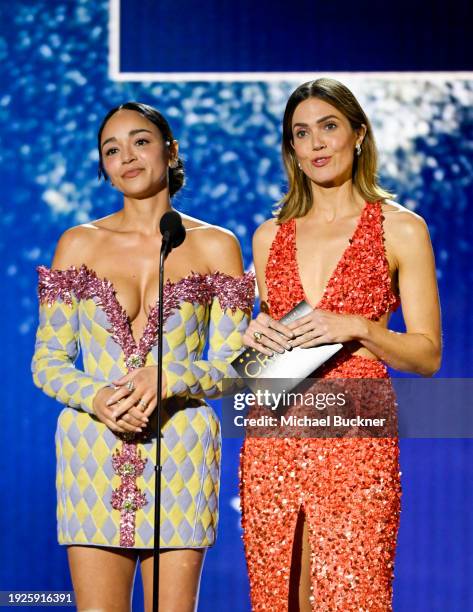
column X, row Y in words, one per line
column 299, row 165
column 358, row 149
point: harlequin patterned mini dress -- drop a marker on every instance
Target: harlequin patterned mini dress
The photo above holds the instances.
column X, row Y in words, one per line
column 347, row 488
column 105, row 482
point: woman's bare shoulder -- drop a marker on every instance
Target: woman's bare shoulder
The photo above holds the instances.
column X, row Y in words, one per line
column 402, row 222
column 215, row 235
column 220, row 246
column 76, row 245
column 406, row 233
column 265, row 233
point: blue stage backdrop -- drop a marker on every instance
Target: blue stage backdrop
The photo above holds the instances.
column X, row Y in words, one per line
column 55, row 88
column 270, row 36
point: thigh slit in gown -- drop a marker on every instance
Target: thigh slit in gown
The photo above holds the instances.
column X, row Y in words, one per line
column 348, row 488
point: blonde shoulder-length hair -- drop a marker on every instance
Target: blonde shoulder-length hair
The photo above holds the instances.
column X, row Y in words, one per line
column 298, row 200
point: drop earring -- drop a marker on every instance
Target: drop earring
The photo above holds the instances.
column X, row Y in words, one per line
column 358, row 149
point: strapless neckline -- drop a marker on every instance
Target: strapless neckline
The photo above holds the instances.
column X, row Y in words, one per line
column 109, row 289
column 86, row 284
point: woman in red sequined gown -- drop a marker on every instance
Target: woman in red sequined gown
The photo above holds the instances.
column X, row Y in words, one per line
column 321, row 516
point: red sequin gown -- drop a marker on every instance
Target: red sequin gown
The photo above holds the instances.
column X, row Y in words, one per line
column 348, row 488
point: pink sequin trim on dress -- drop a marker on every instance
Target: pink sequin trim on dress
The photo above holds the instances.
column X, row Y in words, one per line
column 127, row 498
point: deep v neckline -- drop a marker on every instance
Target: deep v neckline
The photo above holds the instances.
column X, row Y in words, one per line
column 338, row 265
column 104, row 290
column 119, row 315
column 83, row 284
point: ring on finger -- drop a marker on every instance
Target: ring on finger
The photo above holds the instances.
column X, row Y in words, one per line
column 130, row 385
column 257, row 336
column 142, row 403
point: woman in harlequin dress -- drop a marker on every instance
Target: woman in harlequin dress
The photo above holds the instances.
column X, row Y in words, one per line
column 97, row 294
column 320, row 516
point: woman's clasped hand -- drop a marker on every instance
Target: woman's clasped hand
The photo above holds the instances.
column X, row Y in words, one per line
column 127, row 405
column 318, row 327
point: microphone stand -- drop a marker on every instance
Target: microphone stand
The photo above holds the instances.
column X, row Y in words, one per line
column 165, row 250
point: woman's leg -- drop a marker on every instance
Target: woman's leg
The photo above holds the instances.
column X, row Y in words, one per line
column 179, row 579
column 102, row 578
column 300, row 577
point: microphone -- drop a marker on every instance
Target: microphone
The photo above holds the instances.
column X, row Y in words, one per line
column 174, row 233
column 172, row 230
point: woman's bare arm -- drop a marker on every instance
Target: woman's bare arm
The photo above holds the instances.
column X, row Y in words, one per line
column 419, row 348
